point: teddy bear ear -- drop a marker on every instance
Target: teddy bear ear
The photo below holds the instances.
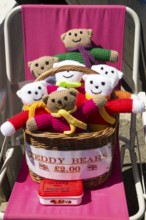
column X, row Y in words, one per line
column 84, row 77
column 120, row 74
column 43, row 82
column 55, row 59
column 45, row 99
column 29, row 63
column 63, row 36
column 90, row 32
column 19, row 93
column 73, row 92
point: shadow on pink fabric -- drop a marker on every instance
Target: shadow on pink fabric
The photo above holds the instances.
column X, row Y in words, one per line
column 44, row 24
column 42, row 27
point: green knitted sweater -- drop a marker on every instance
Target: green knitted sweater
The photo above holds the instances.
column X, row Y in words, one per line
column 97, row 53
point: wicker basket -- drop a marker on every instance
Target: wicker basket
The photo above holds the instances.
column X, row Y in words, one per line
column 58, row 142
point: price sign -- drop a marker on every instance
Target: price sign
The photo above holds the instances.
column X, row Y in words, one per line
column 69, row 165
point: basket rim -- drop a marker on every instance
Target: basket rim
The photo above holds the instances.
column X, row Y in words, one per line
column 83, row 135
column 54, row 70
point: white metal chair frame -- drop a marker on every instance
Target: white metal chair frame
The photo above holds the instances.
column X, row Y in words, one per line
column 128, row 144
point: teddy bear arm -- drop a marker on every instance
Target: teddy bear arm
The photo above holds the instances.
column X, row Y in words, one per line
column 19, row 120
column 76, row 56
column 104, row 54
column 39, row 122
column 92, row 105
column 120, row 105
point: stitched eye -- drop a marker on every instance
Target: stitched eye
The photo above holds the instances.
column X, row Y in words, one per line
column 81, row 32
column 69, row 33
column 101, row 68
column 65, row 98
column 39, row 87
column 29, row 92
column 103, row 83
column 91, row 82
column 36, row 64
column 106, row 72
column 112, row 71
column 47, row 62
column 52, row 100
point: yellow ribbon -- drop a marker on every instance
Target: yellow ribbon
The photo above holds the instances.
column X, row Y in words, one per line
column 73, row 122
column 32, row 108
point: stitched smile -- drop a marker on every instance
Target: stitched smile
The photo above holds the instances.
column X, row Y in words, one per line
column 38, row 98
column 95, row 92
column 62, row 107
column 75, row 41
column 67, row 76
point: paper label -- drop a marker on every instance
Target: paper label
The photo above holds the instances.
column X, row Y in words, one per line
column 69, row 165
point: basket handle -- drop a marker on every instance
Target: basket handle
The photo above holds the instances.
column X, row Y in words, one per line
column 54, row 70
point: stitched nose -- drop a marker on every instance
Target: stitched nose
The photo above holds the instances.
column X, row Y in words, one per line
column 59, row 102
column 36, row 93
column 75, row 34
column 96, row 87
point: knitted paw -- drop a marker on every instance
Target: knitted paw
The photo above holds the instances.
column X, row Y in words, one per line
column 31, row 124
column 114, row 56
column 138, row 106
column 99, row 100
column 7, row 129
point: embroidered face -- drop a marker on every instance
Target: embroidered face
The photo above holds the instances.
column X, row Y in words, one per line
column 108, row 71
column 97, row 84
column 32, row 92
column 41, row 65
column 63, row 99
column 68, row 76
column 75, row 37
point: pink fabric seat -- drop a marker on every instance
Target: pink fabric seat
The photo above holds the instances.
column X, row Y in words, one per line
column 107, row 202
column 42, row 27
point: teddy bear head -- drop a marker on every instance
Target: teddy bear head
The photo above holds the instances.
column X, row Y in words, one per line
column 77, row 37
column 98, row 84
column 41, row 65
column 68, row 75
column 108, row 71
column 32, row 92
column 62, row 99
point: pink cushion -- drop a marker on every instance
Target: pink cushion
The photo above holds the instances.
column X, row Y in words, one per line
column 107, row 202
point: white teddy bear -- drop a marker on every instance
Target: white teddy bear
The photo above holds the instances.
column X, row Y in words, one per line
column 30, row 94
column 116, row 75
column 69, row 78
column 99, row 84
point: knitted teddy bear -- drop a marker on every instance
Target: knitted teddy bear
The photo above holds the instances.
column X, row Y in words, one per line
column 69, row 78
column 65, row 117
column 114, row 74
column 30, row 95
column 105, row 116
column 80, row 48
column 41, row 65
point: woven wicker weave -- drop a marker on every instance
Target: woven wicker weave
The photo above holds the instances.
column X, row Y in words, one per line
column 78, row 141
